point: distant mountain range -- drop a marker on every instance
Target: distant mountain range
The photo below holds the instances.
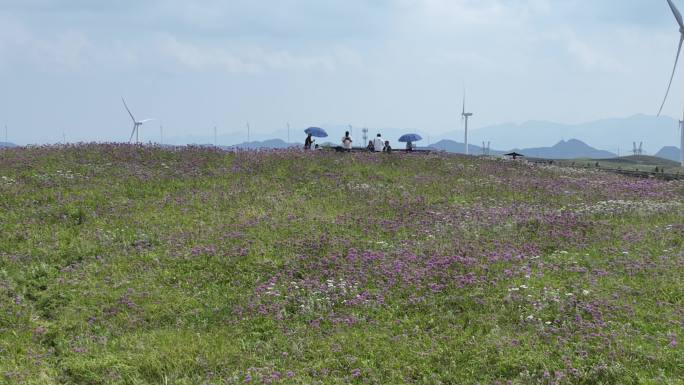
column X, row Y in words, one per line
column 265, row 144
column 7, row 145
column 614, row 135
column 565, row 149
column 570, row 149
column 669, row 152
column 611, row 134
column 459, row 148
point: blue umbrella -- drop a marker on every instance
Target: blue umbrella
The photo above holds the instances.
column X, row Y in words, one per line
column 410, row 138
column 316, row 132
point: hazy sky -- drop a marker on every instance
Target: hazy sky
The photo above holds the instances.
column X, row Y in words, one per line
column 381, row 63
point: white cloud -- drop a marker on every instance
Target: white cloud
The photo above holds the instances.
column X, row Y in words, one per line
column 593, row 59
column 72, row 50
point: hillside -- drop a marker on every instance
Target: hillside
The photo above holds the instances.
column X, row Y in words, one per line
column 644, row 160
column 571, row 149
column 126, row 264
column 669, row 152
column 7, row 145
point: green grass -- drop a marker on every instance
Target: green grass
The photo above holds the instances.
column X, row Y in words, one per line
column 631, row 163
column 138, row 265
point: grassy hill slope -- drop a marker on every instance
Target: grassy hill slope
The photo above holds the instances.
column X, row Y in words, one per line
column 135, row 265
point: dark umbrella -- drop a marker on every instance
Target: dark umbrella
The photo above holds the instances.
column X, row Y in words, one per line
column 410, row 138
column 316, row 132
column 515, row 155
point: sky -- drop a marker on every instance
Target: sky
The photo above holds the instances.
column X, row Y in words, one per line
column 193, row 65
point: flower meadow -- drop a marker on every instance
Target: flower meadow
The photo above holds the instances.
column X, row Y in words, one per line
column 124, row 264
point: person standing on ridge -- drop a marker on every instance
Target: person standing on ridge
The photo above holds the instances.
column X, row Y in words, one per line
column 347, row 142
column 378, row 143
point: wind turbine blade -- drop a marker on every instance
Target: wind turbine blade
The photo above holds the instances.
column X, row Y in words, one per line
column 676, row 13
column 674, row 69
column 146, row 120
column 127, row 109
column 132, row 133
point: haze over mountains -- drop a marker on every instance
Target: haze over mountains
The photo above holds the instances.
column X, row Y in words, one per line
column 596, row 139
column 570, row 149
column 606, row 134
column 603, row 138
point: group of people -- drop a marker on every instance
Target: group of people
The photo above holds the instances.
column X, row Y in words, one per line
column 379, row 145
column 376, row 145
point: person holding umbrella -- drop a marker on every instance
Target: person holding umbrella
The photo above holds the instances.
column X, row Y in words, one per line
column 313, row 132
column 409, row 139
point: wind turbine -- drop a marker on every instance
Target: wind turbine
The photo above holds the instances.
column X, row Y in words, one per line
column 288, row 133
column 681, row 143
column 248, row 132
column 136, row 123
column 680, row 21
column 465, row 115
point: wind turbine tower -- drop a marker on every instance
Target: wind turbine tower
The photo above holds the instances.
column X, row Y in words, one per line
column 6, row 134
column 248, row 132
column 641, row 148
column 680, row 23
column 136, row 123
column 215, row 138
column 681, row 142
column 634, row 149
column 365, row 136
column 288, row 133
column 466, row 115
